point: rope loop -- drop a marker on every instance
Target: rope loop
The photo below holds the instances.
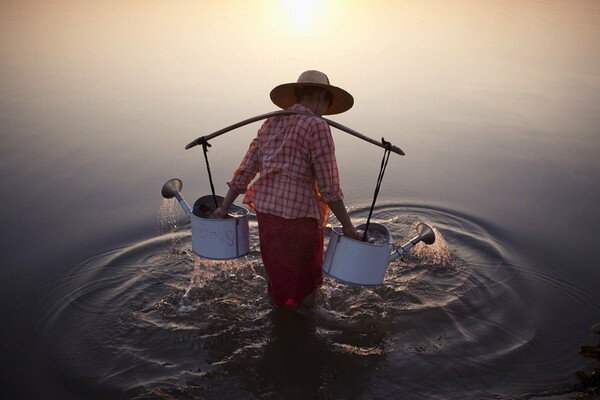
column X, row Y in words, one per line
column 386, row 145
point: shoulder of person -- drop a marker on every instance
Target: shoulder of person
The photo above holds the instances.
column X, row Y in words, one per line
column 318, row 123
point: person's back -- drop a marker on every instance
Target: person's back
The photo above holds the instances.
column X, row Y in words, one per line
column 297, row 167
column 298, row 181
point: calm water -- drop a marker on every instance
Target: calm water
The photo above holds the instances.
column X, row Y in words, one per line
column 496, row 104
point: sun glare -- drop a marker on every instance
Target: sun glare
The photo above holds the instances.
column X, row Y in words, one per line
column 302, row 13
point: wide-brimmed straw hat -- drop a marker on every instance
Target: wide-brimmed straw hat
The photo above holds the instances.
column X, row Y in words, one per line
column 284, row 95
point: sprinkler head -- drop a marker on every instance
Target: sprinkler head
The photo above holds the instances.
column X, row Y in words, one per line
column 426, row 233
column 171, row 188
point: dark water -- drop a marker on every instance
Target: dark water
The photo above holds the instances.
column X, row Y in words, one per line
column 497, row 107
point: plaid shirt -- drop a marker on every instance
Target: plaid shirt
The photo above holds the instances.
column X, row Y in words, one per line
column 294, row 156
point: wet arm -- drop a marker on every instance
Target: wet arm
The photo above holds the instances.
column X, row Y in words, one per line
column 241, row 178
column 326, row 170
column 232, row 194
column 339, row 210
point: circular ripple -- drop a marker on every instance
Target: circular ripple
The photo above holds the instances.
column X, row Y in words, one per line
column 152, row 319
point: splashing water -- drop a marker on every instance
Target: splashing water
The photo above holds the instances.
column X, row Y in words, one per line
column 215, row 279
column 168, row 216
column 437, row 254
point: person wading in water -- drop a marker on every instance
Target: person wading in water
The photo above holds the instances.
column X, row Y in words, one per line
column 298, row 183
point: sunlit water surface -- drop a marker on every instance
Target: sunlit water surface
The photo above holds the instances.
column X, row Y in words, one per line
column 496, row 104
column 153, row 319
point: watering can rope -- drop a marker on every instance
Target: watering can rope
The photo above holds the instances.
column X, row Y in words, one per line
column 384, row 161
column 205, row 146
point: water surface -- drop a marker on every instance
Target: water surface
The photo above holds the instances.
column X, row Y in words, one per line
column 496, row 105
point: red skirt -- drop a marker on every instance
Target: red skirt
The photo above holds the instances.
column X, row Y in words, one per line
column 292, row 252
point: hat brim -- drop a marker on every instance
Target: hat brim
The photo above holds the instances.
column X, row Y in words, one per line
column 284, row 96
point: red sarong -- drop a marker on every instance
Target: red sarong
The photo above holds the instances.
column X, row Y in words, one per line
column 292, row 252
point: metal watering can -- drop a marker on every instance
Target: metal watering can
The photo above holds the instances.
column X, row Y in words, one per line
column 348, row 260
column 365, row 262
column 213, row 238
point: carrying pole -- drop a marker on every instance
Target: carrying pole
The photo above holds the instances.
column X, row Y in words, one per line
column 204, row 139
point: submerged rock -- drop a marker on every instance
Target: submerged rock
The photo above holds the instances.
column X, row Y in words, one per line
column 590, row 384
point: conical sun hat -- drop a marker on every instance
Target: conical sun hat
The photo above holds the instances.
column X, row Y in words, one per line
column 284, row 95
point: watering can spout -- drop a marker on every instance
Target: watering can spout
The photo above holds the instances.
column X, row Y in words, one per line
column 171, row 189
column 424, row 234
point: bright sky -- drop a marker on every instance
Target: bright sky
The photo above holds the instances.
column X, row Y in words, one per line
column 393, row 56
